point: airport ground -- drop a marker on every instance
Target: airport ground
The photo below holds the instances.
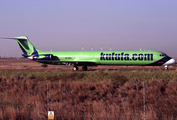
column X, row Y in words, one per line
column 26, row 65
column 103, row 92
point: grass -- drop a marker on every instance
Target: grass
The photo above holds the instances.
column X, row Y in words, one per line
column 88, row 95
column 103, row 92
column 92, row 76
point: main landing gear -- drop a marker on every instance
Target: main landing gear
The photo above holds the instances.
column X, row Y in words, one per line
column 75, row 68
column 43, row 65
column 84, row 68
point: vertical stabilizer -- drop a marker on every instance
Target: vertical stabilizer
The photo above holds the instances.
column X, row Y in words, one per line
column 26, row 46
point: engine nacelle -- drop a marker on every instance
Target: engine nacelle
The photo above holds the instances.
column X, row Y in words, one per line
column 46, row 57
column 42, row 57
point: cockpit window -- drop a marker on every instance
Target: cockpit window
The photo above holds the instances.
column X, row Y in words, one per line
column 162, row 55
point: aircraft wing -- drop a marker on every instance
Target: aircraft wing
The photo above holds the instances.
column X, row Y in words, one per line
column 58, row 62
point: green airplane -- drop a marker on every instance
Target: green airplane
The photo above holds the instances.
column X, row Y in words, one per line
column 93, row 58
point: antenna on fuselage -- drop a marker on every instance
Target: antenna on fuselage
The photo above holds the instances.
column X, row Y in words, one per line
column 7, row 54
column 91, row 47
column 2, row 55
column 101, row 47
column 82, row 47
column 110, row 48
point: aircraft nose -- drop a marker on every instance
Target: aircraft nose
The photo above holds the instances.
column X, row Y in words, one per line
column 169, row 62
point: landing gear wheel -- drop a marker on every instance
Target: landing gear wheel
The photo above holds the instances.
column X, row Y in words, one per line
column 43, row 65
column 84, row 68
column 166, row 67
column 75, row 68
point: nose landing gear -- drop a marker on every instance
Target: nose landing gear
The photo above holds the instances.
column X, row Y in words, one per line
column 166, row 67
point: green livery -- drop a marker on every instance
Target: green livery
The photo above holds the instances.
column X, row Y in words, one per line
column 93, row 58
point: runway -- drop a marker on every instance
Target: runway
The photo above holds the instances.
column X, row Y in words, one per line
column 25, row 65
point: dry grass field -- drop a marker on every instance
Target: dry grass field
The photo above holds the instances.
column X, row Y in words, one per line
column 103, row 92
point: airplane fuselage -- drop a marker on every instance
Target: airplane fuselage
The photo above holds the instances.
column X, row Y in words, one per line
column 93, row 58
column 154, row 58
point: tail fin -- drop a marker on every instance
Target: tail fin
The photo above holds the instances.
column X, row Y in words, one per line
column 26, row 46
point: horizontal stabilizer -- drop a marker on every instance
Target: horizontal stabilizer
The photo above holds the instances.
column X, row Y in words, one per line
column 13, row 38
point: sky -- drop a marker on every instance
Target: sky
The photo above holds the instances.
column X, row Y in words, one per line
column 66, row 25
